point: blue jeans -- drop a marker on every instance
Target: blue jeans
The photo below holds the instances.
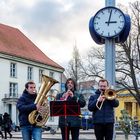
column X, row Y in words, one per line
column 29, row 132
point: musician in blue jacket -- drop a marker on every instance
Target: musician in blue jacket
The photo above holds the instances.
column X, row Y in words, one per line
column 103, row 112
column 26, row 105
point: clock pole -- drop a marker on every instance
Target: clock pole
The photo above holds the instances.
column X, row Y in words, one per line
column 110, row 54
column 114, row 28
column 110, row 3
column 110, row 58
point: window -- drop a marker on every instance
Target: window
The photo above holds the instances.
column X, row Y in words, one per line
column 40, row 75
column 51, row 74
column 30, row 73
column 13, row 70
column 128, row 107
column 13, row 89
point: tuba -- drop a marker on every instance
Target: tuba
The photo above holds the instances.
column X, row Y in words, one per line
column 39, row 117
column 109, row 94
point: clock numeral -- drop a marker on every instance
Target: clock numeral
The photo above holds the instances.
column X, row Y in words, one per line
column 97, row 17
column 108, row 33
column 102, row 32
column 103, row 12
column 97, row 29
column 115, row 11
column 95, row 23
column 121, row 21
column 115, row 32
column 120, row 16
column 109, row 10
column 120, row 27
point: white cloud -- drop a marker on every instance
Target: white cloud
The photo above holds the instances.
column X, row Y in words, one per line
column 54, row 26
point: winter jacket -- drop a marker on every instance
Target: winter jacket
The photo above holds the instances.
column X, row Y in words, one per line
column 1, row 120
column 106, row 114
column 72, row 121
column 25, row 105
column 7, row 122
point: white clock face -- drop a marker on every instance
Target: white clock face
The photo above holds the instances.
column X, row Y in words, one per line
column 109, row 22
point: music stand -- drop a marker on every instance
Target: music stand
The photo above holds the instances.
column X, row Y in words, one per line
column 64, row 108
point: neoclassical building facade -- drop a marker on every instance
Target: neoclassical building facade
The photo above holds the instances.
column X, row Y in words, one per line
column 127, row 102
column 20, row 61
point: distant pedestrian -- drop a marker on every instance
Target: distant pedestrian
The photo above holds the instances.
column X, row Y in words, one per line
column 7, row 122
column 1, row 121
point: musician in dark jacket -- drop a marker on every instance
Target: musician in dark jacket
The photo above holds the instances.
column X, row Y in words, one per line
column 70, row 123
column 103, row 112
column 26, row 105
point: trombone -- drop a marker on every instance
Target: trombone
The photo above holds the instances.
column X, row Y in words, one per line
column 109, row 94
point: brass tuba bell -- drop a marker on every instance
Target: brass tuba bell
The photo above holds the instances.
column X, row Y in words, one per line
column 39, row 118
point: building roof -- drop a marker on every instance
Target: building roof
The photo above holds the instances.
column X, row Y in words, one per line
column 87, row 84
column 13, row 42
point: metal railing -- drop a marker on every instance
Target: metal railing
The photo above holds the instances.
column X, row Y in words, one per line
column 11, row 96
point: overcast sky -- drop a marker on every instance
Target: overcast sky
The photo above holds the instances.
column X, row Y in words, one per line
column 55, row 26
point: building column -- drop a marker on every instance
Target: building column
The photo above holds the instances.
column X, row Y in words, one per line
column 134, row 107
column 14, row 113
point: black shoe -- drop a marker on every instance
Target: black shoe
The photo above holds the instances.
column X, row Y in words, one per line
column 10, row 135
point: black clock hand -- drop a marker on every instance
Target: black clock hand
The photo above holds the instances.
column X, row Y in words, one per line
column 109, row 17
column 111, row 22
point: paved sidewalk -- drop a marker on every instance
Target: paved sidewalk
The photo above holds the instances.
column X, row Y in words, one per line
column 84, row 135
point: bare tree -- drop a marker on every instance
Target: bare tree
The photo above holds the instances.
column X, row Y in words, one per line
column 128, row 57
column 93, row 64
